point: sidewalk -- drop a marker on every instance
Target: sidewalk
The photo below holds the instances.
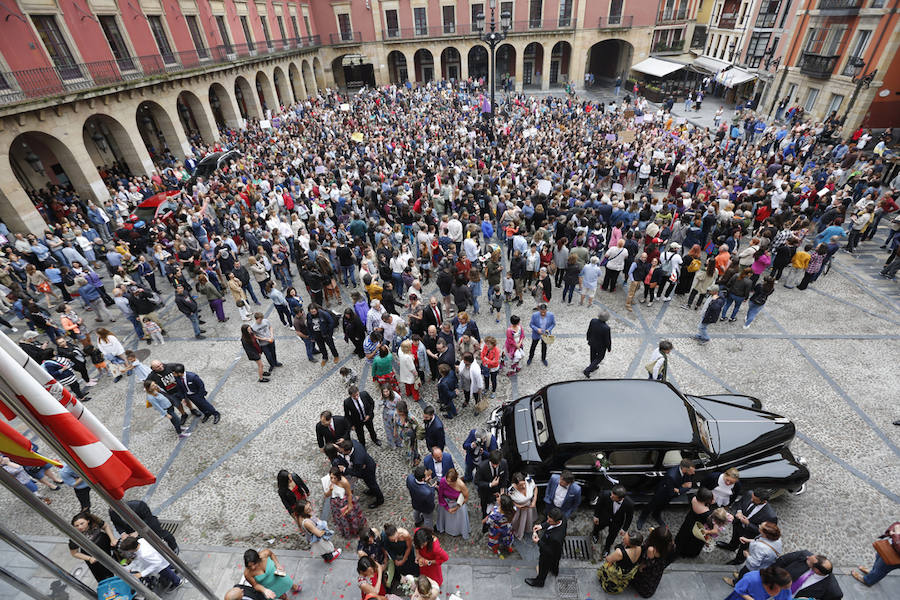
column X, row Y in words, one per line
column 471, row 579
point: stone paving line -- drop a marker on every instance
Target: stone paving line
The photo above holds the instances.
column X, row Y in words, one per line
column 471, row 579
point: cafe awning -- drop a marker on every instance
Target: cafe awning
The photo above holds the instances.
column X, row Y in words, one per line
column 710, row 65
column 657, row 67
column 734, row 77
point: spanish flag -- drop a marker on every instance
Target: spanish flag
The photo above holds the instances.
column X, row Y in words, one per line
column 19, row 448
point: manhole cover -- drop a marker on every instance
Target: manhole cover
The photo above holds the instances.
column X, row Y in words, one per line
column 169, row 525
column 567, row 587
column 578, row 547
column 142, row 354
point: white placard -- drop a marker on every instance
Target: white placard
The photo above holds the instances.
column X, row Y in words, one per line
column 265, row 124
column 345, row 107
column 544, row 187
column 617, row 188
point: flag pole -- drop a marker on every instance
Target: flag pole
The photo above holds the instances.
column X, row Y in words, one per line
column 9, row 481
column 14, row 375
column 22, row 585
column 31, row 552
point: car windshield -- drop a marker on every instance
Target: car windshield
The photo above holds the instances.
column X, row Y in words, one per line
column 540, row 420
column 703, row 430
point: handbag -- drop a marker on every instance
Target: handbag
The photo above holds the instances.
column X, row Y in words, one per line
column 886, row 551
column 548, row 338
column 43, row 287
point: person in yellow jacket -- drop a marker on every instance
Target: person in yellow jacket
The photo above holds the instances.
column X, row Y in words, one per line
column 798, row 266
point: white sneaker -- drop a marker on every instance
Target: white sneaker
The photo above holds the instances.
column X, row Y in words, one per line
column 667, row 299
column 91, row 383
column 746, row 327
column 184, row 434
column 14, row 329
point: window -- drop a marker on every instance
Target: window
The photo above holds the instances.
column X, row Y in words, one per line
column 632, row 458
column 856, row 61
column 162, row 42
column 565, row 13
column 56, row 45
column 835, row 104
column 815, row 40
column 345, row 28
column 668, row 11
column 281, row 26
column 615, row 12
column 196, row 36
column 877, row 3
column 811, row 97
column 835, row 39
column 791, row 93
column 295, row 26
column 265, row 28
column 535, row 12
column 420, row 20
column 223, row 31
column 448, row 12
column 681, row 15
column 308, row 28
column 116, row 42
column 768, row 12
column 245, row 25
column 477, row 11
column 506, row 7
column 757, row 48
column 392, row 23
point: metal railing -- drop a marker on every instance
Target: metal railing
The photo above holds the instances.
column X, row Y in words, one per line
column 26, row 84
column 661, row 47
column 615, row 22
column 345, row 37
column 727, row 21
column 816, row 65
column 839, row 4
column 463, row 29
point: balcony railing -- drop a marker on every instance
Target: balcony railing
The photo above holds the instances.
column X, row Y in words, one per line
column 615, row 22
column 816, row 65
column 840, row 4
column 766, row 20
column 727, row 21
column 16, row 86
column 663, row 47
column 466, row 29
column 345, row 37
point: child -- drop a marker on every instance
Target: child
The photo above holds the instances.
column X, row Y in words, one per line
column 161, row 402
column 98, row 360
column 716, row 523
column 509, row 286
column 141, row 371
column 152, row 329
column 348, row 377
column 497, row 302
column 72, row 324
column 242, row 310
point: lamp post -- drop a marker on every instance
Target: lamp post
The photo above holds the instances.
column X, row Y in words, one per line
column 858, row 66
column 492, row 38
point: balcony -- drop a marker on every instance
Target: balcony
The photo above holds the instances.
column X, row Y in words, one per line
column 766, row 20
column 818, row 66
column 345, row 37
column 727, row 21
column 676, row 47
column 29, row 84
column 615, row 22
column 468, row 29
column 669, row 16
column 848, row 5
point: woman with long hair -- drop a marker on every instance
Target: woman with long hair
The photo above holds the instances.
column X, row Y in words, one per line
column 406, row 429
column 354, row 331
column 389, row 400
column 345, row 511
column 761, row 293
column 499, row 521
column 686, row 543
column 113, row 351
column 686, row 279
column 99, row 532
column 316, row 531
column 213, row 296
column 514, row 348
column 265, row 574
column 254, row 352
column 700, row 284
column 429, row 554
column 658, row 552
column 291, row 489
column 621, row 565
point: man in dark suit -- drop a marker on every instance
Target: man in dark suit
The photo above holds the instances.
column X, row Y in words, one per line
column 753, row 510
column 614, row 510
column 599, row 341
column 359, row 410
column 143, row 511
column 422, row 496
column 362, row 466
column 331, row 429
column 491, row 476
column 676, row 482
column 433, row 314
column 432, row 429
column 550, row 538
column 438, row 462
column 811, row 575
column 192, row 389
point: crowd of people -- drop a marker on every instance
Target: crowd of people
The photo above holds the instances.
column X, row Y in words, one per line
column 412, row 224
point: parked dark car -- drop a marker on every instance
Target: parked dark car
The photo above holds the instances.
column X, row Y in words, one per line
column 209, row 164
column 632, row 430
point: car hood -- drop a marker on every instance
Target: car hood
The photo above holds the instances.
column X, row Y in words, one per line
column 738, row 431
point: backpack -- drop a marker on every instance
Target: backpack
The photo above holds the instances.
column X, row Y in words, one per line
column 694, row 266
column 666, row 265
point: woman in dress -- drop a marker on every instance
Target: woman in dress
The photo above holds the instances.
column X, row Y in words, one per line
column 686, row 544
column 99, row 532
column 453, row 505
column 523, row 493
column 771, row 583
column 254, row 352
column 345, row 511
column 291, row 489
column 686, row 279
column 398, row 543
column 513, row 349
column 316, row 531
column 383, row 368
column 264, row 573
column 425, row 588
column 429, row 554
column 658, row 551
column 499, row 522
column 371, row 586
column 621, row 564
column 406, row 429
column 407, row 369
column 389, row 399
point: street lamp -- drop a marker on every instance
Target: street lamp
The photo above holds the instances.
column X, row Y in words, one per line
column 857, row 66
column 492, row 38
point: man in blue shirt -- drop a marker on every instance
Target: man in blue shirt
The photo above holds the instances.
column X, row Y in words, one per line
column 542, row 322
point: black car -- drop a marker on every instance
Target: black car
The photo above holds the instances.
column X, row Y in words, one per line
column 632, row 430
column 209, row 164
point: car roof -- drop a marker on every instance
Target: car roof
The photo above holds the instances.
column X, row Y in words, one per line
column 618, row 411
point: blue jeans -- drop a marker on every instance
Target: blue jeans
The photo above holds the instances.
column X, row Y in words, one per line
column 195, row 323
column 348, row 273
column 249, row 291
column 568, row 290
column 752, row 310
column 732, row 299
column 310, row 347
column 701, row 331
column 878, row 571
column 136, row 323
column 475, row 286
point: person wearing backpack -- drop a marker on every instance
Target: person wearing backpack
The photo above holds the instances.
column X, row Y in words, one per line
column 711, row 311
column 670, row 263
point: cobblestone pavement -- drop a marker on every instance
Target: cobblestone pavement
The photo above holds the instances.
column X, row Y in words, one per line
column 822, row 357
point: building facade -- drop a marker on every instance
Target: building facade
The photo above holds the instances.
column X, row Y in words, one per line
column 88, row 83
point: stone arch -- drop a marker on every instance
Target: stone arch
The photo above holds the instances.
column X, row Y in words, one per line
column 265, row 93
column 157, row 129
column 319, row 73
column 423, row 65
column 451, row 63
column 505, row 64
column 225, row 112
column 609, row 59
column 195, row 120
column 296, row 80
column 309, row 79
column 108, row 141
column 398, row 69
column 247, row 100
column 533, row 65
column 282, row 89
column 560, row 59
column 479, row 61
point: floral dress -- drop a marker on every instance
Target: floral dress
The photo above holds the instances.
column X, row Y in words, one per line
column 348, row 525
column 514, row 341
column 407, row 433
column 500, row 532
column 389, row 415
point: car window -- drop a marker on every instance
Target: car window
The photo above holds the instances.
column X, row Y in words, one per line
column 632, row 458
column 703, row 431
column 582, row 461
column 540, row 421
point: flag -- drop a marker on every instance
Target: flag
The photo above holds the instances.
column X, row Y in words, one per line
column 105, row 460
column 20, row 449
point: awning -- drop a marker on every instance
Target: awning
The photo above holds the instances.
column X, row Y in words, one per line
column 657, row 67
column 710, row 65
column 734, row 77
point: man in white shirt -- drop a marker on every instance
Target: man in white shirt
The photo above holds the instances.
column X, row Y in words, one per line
column 145, row 560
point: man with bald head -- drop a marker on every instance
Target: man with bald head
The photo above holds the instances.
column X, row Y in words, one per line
column 163, row 374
